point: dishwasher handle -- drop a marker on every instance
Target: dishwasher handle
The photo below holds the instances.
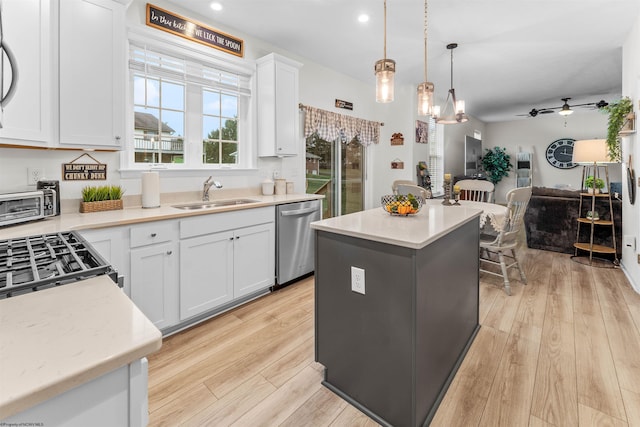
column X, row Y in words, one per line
column 298, row 212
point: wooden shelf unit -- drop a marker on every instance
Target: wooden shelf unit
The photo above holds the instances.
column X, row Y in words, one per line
column 591, row 222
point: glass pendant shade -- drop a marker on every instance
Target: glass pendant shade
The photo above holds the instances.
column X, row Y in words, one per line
column 425, row 99
column 385, row 71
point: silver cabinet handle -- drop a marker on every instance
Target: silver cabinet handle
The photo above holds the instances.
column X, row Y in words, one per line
column 153, row 234
column 230, row 238
column 169, row 252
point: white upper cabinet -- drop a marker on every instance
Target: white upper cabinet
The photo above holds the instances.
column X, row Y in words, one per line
column 92, row 73
column 277, row 101
column 26, row 72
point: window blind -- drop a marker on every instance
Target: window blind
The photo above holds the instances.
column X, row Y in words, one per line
column 149, row 62
column 436, row 159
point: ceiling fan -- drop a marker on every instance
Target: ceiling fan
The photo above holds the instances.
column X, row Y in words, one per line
column 565, row 108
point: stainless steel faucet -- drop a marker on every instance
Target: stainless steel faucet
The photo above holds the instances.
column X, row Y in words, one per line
column 207, row 185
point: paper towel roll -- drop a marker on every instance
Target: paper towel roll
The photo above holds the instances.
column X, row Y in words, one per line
column 150, row 189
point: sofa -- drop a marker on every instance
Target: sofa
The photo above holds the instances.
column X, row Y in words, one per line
column 551, row 220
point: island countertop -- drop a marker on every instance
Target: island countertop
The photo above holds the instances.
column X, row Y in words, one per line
column 414, row 231
column 58, row 338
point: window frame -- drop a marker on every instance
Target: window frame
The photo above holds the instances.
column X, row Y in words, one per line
column 193, row 145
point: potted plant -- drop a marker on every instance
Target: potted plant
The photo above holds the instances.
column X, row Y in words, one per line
column 496, row 164
column 620, row 114
column 101, row 198
column 594, row 185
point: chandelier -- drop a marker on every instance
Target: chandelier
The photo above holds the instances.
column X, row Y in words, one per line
column 453, row 111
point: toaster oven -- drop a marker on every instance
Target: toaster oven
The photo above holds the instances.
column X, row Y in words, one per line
column 26, row 206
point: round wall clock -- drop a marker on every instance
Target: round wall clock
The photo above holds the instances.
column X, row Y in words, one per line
column 560, row 153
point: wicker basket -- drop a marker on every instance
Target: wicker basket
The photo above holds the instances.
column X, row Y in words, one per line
column 105, row 205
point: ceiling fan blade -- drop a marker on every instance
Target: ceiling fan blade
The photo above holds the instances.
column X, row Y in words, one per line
column 547, row 111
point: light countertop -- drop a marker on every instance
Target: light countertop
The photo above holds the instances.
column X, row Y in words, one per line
column 133, row 215
column 58, row 338
column 414, row 231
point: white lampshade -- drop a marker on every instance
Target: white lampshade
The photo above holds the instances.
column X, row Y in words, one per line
column 590, row 151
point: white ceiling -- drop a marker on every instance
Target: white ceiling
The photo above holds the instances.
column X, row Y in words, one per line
column 513, row 55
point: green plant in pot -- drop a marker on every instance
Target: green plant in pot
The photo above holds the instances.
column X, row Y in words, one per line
column 619, row 114
column 101, row 198
column 496, row 164
column 594, row 185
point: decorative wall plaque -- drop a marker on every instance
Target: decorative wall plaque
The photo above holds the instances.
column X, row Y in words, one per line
column 73, row 171
column 193, row 30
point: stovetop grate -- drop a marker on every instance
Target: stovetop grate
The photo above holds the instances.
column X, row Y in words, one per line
column 35, row 262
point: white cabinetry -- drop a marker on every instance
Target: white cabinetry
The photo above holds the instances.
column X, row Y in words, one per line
column 224, row 257
column 277, row 100
column 206, row 273
column 92, row 73
column 26, row 32
column 253, row 259
column 113, row 245
column 154, row 271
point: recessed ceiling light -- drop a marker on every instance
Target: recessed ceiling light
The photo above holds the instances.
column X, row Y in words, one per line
column 216, row 6
column 363, row 18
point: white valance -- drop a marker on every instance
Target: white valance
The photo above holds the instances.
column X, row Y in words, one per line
column 331, row 126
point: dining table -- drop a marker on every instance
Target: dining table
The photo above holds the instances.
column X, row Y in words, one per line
column 492, row 215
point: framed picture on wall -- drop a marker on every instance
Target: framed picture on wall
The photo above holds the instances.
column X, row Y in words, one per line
column 422, row 132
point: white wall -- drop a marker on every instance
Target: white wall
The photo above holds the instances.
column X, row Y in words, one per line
column 631, row 213
column 534, row 135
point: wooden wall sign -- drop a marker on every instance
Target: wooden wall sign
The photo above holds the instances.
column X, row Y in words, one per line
column 193, row 30
column 397, row 139
column 84, row 171
column 397, row 164
column 344, row 104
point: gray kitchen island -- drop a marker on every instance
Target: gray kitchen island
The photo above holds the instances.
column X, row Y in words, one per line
column 392, row 336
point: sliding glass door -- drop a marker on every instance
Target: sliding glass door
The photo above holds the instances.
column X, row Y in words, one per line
column 336, row 170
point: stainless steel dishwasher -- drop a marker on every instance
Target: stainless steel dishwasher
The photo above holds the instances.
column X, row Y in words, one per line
column 295, row 241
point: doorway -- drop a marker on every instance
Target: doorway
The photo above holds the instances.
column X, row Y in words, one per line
column 335, row 169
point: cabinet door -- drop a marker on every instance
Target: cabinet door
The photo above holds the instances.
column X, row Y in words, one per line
column 277, row 101
column 92, row 73
column 26, row 32
column 286, row 110
column 154, row 283
column 112, row 244
column 206, row 273
column 254, row 259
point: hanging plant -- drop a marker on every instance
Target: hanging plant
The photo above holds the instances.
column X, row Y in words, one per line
column 496, row 164
column 618, row 112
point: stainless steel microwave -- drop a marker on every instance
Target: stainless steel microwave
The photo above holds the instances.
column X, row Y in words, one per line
column 21, row 207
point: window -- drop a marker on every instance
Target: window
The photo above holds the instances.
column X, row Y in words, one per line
column 436, row 159
column 188, row 113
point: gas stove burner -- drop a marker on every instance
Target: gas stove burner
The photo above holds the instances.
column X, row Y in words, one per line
column 38, row 262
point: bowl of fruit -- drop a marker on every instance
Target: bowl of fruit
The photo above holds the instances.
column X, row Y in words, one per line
column 399, row 204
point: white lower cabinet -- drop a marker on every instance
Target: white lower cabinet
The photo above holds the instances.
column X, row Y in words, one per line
column 113, row 245
column 234, row 259
column 206, row 273
column 154, row 271
column 253, row 259
column 178, row 269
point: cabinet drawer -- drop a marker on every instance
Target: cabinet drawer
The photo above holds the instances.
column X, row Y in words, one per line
column 149, row 234
column 214, row 223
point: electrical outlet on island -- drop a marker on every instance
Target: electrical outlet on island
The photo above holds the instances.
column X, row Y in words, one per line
column 357, row 280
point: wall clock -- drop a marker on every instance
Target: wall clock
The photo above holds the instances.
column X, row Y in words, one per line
column 560, row 153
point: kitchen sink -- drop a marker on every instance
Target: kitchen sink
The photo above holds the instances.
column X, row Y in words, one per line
column 214, row 204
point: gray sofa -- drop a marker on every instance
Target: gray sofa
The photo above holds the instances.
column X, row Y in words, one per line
column 551, row 220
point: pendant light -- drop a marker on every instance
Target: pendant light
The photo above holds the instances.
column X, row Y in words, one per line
column 425, row 89
column 385, row 70
column 453, row 111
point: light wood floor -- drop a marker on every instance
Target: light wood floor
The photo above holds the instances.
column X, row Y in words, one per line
column 562, row 351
